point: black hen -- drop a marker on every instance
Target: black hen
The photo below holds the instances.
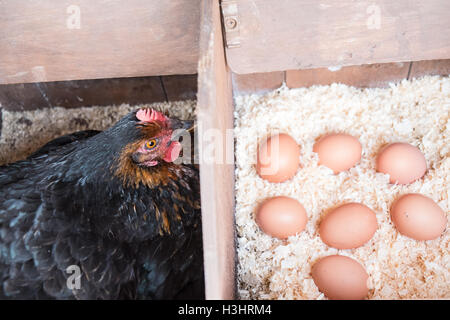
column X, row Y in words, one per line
column 115, row 205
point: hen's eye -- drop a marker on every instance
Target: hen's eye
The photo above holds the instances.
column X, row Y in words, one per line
column 151, row 144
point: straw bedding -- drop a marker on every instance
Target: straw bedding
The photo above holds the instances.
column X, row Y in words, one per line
column 416, row 112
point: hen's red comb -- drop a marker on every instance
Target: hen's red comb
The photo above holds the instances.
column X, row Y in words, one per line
column 149, row 115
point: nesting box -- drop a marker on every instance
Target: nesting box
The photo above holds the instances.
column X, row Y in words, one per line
column 255, row 46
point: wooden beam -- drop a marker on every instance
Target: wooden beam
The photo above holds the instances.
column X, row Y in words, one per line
column 433, row 67
column 215, row 115
column 257, row 82
column 51, row 40
column 367, row 76
column 277, row 35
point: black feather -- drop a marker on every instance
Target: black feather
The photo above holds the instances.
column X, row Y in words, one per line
column 63, row 206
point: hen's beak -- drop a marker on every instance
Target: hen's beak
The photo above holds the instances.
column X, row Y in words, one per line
column 190, row 125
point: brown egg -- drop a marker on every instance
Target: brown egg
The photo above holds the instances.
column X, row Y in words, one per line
column 339, row 152
column 281, row 217
column 348, row 226
column 340, row 278
column 403, row 162
column 278, row 158
column 418, row 217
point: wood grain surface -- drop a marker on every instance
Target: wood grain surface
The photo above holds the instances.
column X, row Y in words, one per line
column 377, row 75
column 215, row 115
column 433, row 67
column 51, row 40
column 257, row 82
column 277, row 35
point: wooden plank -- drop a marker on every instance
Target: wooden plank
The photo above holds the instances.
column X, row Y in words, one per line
column 371, row 76
column 51, row 40
column 277, row 35
column 180, row 87
column 432, row 67
column 215, row 117
column 81, row 93
column 257, row 82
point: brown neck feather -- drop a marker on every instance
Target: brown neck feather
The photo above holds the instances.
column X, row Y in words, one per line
column 133, row 175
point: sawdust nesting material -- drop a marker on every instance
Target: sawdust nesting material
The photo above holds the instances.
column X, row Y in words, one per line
column 23, row 132
column 416, row 112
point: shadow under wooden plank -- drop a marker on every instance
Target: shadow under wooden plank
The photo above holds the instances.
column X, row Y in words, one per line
column 99, row 92
column 180, row 87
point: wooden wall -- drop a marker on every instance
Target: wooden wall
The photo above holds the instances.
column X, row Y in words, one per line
column 215, row 114
column 50, row 40
column 376, row 75
column 277, row 35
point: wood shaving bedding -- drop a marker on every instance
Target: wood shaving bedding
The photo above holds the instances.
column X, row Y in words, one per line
column 416, row 112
